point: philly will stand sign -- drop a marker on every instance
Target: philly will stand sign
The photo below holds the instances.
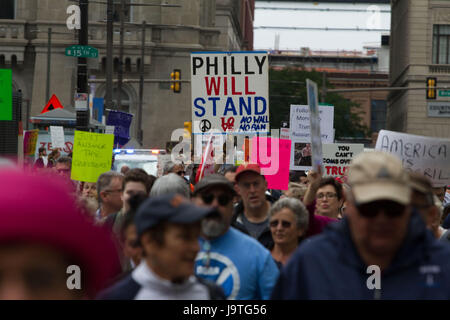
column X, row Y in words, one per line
column 230, row 92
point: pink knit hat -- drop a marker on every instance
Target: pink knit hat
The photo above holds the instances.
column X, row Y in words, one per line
column 41, row 210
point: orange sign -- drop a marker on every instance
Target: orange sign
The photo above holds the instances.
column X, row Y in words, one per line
column 52, row 104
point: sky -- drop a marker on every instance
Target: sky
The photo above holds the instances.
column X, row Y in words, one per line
column 362, row 16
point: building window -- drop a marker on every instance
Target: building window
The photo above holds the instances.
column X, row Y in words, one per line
column 8, row 8
column 378, row 115
column 441, row 40
column 117, row 8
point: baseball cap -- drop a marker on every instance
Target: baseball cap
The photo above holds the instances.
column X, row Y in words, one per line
column 376, row 176
column 247, row 167
column 40, row 209
column 213, row 180
column 169, row 207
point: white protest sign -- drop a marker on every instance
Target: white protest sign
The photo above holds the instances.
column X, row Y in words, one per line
column 338, row 156
column 57, row 136
column 426, row 155
column 284, row 133
column 230, row 92
column 109, row 129
column 300, row 134
column 316, row 141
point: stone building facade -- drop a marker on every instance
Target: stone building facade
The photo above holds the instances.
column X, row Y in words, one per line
column 172, row 33
column 420, row 36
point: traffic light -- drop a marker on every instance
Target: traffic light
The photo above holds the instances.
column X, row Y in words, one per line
column 431, row 88
column 176, row 86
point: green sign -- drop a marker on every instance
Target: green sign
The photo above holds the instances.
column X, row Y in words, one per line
column 444, row 93
column 82, row 51
column 5, row 94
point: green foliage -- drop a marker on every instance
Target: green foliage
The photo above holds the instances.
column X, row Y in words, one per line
column 288, row 86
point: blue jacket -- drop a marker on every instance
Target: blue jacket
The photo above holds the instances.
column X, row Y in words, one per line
column 329, row 267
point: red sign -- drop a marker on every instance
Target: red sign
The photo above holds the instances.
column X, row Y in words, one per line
column 52, row 104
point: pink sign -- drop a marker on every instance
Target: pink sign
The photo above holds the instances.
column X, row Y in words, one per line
column 273, row 156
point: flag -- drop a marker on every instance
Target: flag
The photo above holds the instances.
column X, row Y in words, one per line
column 207, row 164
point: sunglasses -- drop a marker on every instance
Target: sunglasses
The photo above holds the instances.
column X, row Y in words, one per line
column 390, row 208
column 284, row 224
column 222, row 199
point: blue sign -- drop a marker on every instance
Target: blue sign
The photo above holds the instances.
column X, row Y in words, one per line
column 121, row 121
column 97, row 106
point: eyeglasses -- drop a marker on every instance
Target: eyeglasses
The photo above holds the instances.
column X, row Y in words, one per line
column 114, row 190
column 390, row 208
column 180, row 173
column 284, row 224
column 223, row 199
column 63, row 170
column 320, row 196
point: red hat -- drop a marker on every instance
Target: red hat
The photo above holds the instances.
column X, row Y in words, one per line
column 248, row 167
column 41, row 210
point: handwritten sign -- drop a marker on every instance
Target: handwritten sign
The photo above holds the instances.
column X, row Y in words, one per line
column 230, row 92
column 427, row 155
column 337, row 157
column 57, row 135
column 273, row 156
column 92, row 155
column 29, row 142
column 300, row 133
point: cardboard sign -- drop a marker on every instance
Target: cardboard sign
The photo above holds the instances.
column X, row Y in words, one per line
column 92, row 155
column 29, row 142
column 6, row 94
column 337, row 157
column 273, row 156
column 57, row 135
column 427, row 155
column 230, row 92
column 300, row 133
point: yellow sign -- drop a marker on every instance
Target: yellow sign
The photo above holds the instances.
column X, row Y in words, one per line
column 92, row 155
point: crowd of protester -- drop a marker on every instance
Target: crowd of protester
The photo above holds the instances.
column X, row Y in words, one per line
column 226, row 236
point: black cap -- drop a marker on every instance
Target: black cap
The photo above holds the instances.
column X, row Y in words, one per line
column 213, row 180
column 170, row 207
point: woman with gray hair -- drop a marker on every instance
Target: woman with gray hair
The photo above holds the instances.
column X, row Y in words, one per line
column 170, row 183
column 288, row 221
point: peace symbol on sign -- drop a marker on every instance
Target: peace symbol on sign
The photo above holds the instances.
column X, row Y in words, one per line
column 205, row 125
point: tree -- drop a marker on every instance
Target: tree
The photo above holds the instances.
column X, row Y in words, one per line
column 288, row 86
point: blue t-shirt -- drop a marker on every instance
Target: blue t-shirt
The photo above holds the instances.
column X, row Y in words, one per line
column 239, row 264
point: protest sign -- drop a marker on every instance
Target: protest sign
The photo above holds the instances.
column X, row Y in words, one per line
column 273, row 156
column 230, row 92
column 121, row 122
column 284, row 133
column 6, row 94
column 337, row 157
column 92, row 155
column 427, row 155
column 57, row 136
column 300, row 134
column 316, row 141
column 44, row 141
column 29, row 142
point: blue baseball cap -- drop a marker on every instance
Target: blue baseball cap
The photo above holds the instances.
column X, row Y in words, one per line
column 169, row 207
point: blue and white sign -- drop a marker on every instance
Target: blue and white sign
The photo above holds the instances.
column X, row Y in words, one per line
column 230, row 92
